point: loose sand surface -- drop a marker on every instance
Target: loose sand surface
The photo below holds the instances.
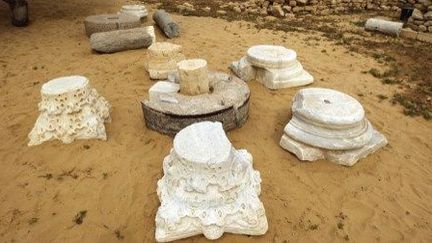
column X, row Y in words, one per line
column 386, row 197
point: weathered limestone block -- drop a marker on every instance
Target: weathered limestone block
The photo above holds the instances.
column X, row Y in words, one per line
column 109, row 22
column 208, row 187
column 274, row 66
column 243, row 69
column 150, row 30
column 384, row 26
column 193, row 75
column 161, row 90
column 167, row 25
column 70, row 109
column 120, row 40
column 138, row 10
column 327, row 124
column 163, row 58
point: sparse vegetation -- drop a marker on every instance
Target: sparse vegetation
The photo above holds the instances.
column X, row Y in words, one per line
column 79, row 217
column 33, row 221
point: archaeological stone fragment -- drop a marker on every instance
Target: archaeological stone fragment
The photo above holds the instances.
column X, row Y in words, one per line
column 327, row 124
column 170, row 28
column 193, row 75
column 109, row 22
column 275, row 67
column 70, row 109
column 121, row 40
column 162, row 59
column 384, row 26
column 208, row 187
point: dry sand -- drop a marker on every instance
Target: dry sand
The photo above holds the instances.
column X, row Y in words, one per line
column 386, row 197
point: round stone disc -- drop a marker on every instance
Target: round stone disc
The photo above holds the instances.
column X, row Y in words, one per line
column 269, row 56
column 203, row 143
column 64, row 84
column 328, row 107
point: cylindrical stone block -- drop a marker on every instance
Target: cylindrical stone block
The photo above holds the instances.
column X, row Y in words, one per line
column 120, row 40
column 193, row 75
column 384, row 26
column 109, row 22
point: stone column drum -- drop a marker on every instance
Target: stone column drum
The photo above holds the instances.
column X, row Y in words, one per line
column 327, row 124
column 70, row 109
column 193, row 75
column 275, row 67
column 208, row 187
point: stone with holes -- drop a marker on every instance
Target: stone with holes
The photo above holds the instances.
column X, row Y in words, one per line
column 70, row 109
column 275, row 67
column 327, row 124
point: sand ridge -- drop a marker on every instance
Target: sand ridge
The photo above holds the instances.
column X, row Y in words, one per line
column 385, row 197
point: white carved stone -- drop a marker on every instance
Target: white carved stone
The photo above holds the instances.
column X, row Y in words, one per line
column 135, row 9
column 327, row 124
column 384, row 26
column 162, row 89
column 162, row 59
column 275, row 67
column 70, row 109
column 193, row 75
column 208, row 187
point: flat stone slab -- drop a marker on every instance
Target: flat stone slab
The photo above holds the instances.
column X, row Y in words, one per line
column 342, row 157
column 110, row 22
column 70, row 109
column 228, row 103
column 162, row 90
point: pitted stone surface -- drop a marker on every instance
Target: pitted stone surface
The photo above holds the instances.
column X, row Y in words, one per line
column 327, row 124
column 121, row 40
column 110, row 22
column 70, row 109
column 208, row 187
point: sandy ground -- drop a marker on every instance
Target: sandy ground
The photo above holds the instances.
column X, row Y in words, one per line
column 384, row 198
